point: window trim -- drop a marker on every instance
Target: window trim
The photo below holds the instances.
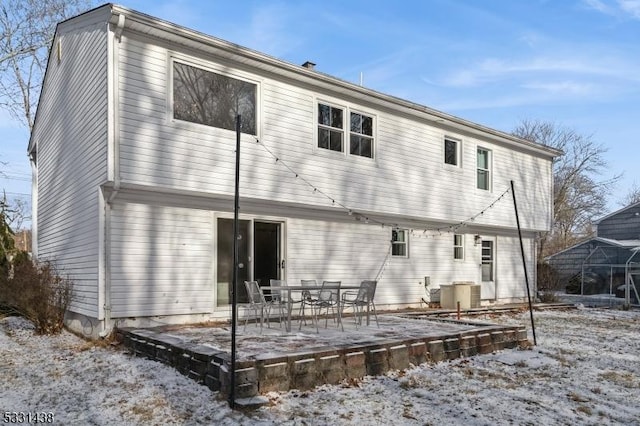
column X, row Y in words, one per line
column 404, row 243
column 458, row 151
column 216, row 69
column 346, row 119
column 459, row 246
column 488, row 170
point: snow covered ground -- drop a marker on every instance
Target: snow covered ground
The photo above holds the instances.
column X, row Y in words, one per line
column 584, row 370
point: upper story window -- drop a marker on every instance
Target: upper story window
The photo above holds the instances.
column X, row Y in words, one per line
column 361, row 136
column 331, row 130
column 212, row 99
column 330, row 127
column 451, row 151
column 484, row 169
column 399, row 243
column 458, row 247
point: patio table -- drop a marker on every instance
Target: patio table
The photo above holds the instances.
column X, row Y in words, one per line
column 291, row 288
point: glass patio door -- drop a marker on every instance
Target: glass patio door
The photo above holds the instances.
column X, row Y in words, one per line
column 267, row 258
column 260, row 256
column 224, row 267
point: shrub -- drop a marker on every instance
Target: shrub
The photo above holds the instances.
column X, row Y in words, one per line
column 37, row 292
column 548, row 283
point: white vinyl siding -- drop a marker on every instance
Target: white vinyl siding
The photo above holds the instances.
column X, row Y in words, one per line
column 161, row 260
column 510, row 278
column 71, row 140
column 405, row 178
column 352, row 252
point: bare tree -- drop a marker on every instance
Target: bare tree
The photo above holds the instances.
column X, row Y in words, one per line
column 7, row 243
column 632, row 196
column 579, row 192
column 26, row 31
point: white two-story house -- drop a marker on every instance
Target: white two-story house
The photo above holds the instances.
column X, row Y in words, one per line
column 133, row 155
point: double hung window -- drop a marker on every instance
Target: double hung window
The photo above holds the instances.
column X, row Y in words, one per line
column 332, row 131
column 399, row 243
column 361, row 136
column 330, row 127
column 484, row 169
column 458, row 247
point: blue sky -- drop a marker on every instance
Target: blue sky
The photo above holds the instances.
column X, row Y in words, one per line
column 494, row 62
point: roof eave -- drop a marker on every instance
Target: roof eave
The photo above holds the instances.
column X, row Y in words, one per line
column 172, row 32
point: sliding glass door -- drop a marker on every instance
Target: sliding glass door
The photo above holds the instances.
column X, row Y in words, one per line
column 259, row 257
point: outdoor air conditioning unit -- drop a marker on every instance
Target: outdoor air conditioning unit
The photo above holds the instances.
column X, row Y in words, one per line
column 476, row 300
column 434, row 295
column 465, row 292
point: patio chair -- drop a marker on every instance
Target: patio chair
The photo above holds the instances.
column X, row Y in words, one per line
column 327, row 299
column 278, row 299
column 256, row 302
column 360, row 300
column 309, row 298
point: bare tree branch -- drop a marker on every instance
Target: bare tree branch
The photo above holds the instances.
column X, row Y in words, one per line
column 632, row 197
column 26, row 31
column 579, row 194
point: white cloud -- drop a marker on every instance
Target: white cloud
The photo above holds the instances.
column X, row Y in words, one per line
column 599, row 6
column 621, row 8
column 631, row 7
column 505, row 99
column 491, row 70
column 559, row 88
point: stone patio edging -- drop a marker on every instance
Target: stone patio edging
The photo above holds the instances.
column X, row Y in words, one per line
column 283, row 371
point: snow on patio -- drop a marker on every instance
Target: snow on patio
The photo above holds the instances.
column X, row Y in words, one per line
column 585, row 370
column 252, row 340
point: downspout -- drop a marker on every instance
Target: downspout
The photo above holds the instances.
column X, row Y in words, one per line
column 34, row 205
column 114, row 169
column 107, row 325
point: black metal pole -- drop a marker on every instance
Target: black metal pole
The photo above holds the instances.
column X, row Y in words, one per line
column 234, row 279
column 524, row 264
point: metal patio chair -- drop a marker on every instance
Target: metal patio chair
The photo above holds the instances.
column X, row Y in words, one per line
column 309, row 298
column 279, row 299
column 327, row 299
column 361, row 300
column 256, row 302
